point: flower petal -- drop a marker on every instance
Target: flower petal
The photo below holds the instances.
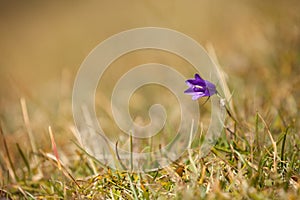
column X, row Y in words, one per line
column 196, row 82
column 197, row 96
column 189, row 84
column 211, row 88
column 199, row 87
column 198, row 77
column 189, row 90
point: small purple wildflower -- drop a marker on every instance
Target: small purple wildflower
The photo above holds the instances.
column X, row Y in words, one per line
column 199, row 87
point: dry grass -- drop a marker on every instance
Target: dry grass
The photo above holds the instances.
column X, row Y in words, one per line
column 258, row 46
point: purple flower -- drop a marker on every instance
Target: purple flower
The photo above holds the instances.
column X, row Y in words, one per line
column 199, row 87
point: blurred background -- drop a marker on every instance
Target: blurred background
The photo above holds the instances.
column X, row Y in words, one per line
column 43, row 43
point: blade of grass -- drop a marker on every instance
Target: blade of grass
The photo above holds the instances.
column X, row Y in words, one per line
column 112, row 194
column 11, row 166
column 90, row 160
column 222, row 78
column 132, row 187
column 290, row 170
column 131, row 151
column 24, row 158
column 256, row 133
column 92, row 131
column 23, row 192
column 273, row 143
column 193, row 165
column 54, row 148
column 283, row 146
column 30, row 135
column 119, row 159
column 90, row 156
column 64, row 170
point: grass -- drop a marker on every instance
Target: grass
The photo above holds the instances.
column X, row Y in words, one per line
column 256, row 157
column 236, row 168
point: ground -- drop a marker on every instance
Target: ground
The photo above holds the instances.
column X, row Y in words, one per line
column 257, row 46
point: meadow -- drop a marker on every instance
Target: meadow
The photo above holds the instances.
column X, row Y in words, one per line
column 257, row 46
